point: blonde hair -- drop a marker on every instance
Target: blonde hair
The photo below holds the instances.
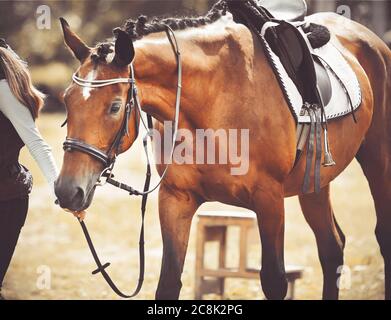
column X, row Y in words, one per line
column 19, row 80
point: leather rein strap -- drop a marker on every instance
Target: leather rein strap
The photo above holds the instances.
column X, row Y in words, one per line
column 109, row 158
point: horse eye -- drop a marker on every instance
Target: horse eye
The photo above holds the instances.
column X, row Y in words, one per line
column 115, row 107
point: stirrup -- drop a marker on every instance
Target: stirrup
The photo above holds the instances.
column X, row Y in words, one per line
column 328, row 158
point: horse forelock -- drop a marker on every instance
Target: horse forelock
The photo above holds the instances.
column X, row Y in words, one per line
column 103, row 52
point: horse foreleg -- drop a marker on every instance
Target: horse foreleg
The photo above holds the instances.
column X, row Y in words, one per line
column 329, row 237
column 176, row 210
column 269, row 207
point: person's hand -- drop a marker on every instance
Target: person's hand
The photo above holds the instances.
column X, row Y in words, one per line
column 81, row 215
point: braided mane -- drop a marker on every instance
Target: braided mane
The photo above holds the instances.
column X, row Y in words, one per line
column 143, row 26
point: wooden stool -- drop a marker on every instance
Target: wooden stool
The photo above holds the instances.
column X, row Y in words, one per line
column 212, row 226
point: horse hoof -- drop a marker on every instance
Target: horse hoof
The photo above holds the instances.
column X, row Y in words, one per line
column 274, row 287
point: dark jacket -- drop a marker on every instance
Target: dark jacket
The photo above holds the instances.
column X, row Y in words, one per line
column 15, row 180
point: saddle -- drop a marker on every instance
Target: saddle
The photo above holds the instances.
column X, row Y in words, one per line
column 281, row 23
column 287, row 10
column 289, row 41
column 284, row 33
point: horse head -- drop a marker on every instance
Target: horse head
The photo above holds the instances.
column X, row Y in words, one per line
column 99, row 115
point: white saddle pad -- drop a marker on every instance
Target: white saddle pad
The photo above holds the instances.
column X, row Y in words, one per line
column 343, row 79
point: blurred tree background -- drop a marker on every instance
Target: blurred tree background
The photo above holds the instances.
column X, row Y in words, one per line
column 51, row 64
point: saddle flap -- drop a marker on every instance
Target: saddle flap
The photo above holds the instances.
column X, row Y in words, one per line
column 292, row 46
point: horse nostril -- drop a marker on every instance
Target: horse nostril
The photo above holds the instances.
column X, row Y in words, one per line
column 79, row 195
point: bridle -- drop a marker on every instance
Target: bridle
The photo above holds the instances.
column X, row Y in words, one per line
column 132, row 104
column 108, row 158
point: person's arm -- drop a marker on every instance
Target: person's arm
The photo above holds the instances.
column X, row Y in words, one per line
column 24, row 124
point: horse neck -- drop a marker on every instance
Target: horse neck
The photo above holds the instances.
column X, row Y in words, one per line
column 157, row 76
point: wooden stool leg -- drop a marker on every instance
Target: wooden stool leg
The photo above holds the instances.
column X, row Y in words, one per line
column 243, row 249
column 222, row 257
column 291, row 290
column 198, row 288
column 200, row 250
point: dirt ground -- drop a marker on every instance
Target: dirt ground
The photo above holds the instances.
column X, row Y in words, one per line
column 52, row 247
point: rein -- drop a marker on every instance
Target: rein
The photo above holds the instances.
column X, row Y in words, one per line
column 109, row 158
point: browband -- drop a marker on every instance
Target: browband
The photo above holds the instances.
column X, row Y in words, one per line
column 100, row 83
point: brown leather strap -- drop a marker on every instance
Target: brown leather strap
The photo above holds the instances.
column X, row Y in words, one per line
column 310, row 150
column 102, row 267
column 318, row 154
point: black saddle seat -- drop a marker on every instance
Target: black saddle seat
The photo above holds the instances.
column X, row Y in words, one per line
column 288, row 10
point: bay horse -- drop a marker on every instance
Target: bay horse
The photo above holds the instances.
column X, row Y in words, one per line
column 228, row 83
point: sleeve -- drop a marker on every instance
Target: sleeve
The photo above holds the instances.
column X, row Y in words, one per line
column 24, row 125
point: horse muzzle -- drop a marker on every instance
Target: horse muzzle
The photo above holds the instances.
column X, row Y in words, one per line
column 74, row 195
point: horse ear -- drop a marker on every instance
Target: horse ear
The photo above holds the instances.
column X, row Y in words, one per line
column 124, row 49
column 74, row 43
